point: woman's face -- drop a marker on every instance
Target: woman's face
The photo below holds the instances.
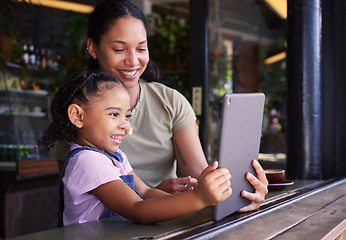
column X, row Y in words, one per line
column 123, row 50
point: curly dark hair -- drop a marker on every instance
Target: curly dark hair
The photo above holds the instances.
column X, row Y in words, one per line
column 105, row 14
column 80, row 87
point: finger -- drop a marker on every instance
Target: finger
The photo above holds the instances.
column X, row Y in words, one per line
column 259, row 186
column 255, row 201
column 190, row 186
column 225, row 189
column 191, row 183
column 256, row 198
column 221, row 177
column 254, row 182
column 211, row 168
column 193, row 180
column 260, row 172
column 248, row 208
column 185, row 180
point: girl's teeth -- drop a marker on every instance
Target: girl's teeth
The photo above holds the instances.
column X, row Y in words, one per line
column 129, row 73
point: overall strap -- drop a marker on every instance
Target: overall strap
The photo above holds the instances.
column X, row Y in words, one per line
column 116, row 155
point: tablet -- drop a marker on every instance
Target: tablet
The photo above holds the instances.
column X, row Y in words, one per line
column 240, row 136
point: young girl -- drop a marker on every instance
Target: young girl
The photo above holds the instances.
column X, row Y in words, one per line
column 92, row 111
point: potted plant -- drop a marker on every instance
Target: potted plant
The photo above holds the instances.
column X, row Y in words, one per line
column 8, row 30
column 9, row 46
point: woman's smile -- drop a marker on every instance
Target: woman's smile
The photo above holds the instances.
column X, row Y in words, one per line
column 129, row 74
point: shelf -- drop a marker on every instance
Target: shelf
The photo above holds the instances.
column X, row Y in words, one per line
column 27, row 92
column 25, row 114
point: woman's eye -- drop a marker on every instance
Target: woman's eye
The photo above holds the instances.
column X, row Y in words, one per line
column 114, row 114
column 118, row 50
column 128, row 116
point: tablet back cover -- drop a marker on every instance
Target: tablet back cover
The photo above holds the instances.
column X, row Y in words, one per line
column 240, row 136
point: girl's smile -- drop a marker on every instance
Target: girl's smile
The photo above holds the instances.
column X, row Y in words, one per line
column 117, row 138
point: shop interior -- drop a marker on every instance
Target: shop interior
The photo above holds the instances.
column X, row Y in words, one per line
column 246, row 53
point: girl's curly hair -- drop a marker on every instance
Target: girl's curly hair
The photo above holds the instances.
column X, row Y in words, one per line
column 80, row 87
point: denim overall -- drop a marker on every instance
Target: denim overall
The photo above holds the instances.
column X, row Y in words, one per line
column 128, row 179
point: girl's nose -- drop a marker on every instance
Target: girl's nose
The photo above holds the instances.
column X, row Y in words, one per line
column 131, row 59
column 124, row 124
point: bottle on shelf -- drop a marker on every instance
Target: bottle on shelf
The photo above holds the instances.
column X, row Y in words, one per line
column 38, row 57
column 49, row 58
column 32, row 56
column 25, row 56
column 43, row 58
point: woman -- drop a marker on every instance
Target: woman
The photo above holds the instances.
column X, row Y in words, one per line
column 163, row 122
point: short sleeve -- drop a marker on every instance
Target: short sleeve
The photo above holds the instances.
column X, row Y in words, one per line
column 183, row 112
column 88, row 170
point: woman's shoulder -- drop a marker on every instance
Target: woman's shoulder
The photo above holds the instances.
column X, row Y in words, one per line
column 161, row 90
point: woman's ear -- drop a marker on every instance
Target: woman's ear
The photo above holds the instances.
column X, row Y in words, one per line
column 75, row 114
column 91, row 48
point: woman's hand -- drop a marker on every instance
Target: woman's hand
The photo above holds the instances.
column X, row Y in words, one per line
column 261, row 188
column 177, row 185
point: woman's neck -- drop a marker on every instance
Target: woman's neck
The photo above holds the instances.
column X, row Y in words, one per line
column 134, row 95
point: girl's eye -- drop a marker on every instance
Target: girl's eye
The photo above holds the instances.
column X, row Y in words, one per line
column 118, row 50
column 114, row 114
column 128, row 116
column 142, row 49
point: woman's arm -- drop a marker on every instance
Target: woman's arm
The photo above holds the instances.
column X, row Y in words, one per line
column 189, row 152
column 190, row 158
column 158, row 206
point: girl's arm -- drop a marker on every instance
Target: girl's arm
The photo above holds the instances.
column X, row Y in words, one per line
column 158, row 206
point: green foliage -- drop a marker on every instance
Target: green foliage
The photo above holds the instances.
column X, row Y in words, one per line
column 169, row 42
column 169, row 47
column 220, row 70
column 75, row 28
column 273, row 83
column 76, row 56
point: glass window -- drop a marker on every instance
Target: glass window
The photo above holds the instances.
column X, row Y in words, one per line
column 243, row 35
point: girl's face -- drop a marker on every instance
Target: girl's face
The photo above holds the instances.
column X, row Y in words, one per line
column 105, row 120
column 123, row 50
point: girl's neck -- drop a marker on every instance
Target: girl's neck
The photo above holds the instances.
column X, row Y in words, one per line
column 134, row 95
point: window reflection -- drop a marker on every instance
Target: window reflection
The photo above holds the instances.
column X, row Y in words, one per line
column 242, row 35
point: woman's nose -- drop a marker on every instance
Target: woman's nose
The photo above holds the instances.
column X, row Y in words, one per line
column 132, row 59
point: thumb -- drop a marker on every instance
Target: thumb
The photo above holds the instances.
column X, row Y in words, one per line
column 211, row 167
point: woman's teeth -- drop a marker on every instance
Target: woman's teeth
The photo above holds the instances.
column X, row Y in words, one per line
column 128, row 73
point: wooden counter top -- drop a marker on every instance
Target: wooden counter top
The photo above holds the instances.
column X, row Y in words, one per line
column 316, row 212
